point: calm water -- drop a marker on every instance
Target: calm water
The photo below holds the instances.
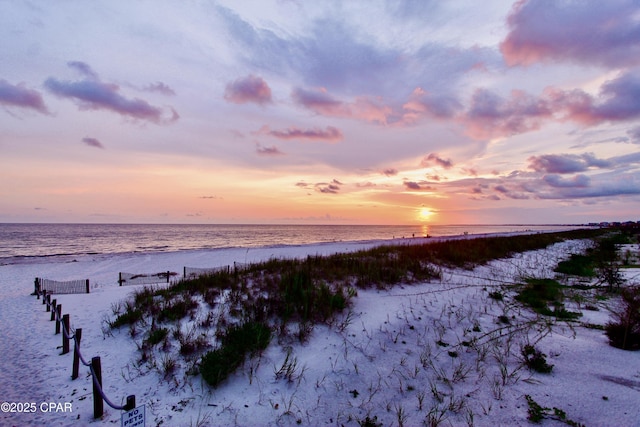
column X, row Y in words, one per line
column 21, row 242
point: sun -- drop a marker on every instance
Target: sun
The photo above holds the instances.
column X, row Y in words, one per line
column 424, row 214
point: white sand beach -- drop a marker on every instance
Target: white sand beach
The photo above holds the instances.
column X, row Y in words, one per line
column 380, row 358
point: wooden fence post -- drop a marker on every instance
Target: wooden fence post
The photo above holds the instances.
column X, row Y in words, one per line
column 44, row 297
column 131, row 403
column 59, row 318
column 36, row 285
column 87, row 284
column 120, row 278
column 53, row 309
column 76, row 354
column 98, row 404
column 168, row 275
column 65, row 334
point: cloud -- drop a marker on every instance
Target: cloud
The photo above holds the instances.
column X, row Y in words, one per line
column 332, row 187
column 268, row 151
column 347, row 58
column 20, row 96
column 423, row 103
column 603, row 32
column 389, row 172
column 558, row 181
column 634, row 135
column 160, row 87
column 490, row 115
column 329, row 134
column 566, row 163
column 84, row 69
column 362, row 108
column 419, row 186
column 248, row 89
column 618, row 100
column 327, row 188
column 626, row 184
column 411, row 185
column 92, row 94
column 92, row 142
column 434, row 158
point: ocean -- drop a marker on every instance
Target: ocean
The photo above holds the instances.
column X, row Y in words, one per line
column 22, row 243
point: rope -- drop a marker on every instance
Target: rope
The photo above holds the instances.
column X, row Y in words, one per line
column 101, row 392
column 81, row 358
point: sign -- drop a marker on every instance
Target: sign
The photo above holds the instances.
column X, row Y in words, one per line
column 133, row 418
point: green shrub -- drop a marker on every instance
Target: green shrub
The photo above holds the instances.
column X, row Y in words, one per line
column 577, row 265
column 157, row 335
column 129, row 317
column 535, row 359
column 624, row 331
column 538, row 293
column 218, row 364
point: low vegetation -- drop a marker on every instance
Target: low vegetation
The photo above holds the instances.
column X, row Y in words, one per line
column 282, row 300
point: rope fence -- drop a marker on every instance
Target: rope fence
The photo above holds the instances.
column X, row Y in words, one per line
column 63, row 327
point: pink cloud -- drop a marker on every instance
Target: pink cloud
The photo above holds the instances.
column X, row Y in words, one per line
column 362, row 108
column 329, row 134
column 601, row 32
column 618, row 100
column 423, row 103
column 248, row 89
column 434, row 158
column 20, row 96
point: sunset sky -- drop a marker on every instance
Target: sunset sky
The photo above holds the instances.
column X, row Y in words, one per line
column 332, row 112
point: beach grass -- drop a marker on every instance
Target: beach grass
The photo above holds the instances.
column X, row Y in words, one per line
column 278, row 297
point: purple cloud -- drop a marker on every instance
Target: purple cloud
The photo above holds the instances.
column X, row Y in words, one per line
column 84, row 69
column 411, row 185
column 327, row 188
column 420, row 186
column 566, row 163
column 362, row 108
column 602, row 32
column 161, row 88
column 490, row 115
column 92, row 142
column 92, row 94
column 20, row 96
column 248, row 89
column 318, row 101
column 434, row 158
column 634, row 135
column 424, row 103
column 618, row 100
column 580, row 181
column 268, row 151
column 390, row 172
column 329, row 134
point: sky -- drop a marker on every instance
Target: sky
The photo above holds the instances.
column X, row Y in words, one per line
column 332, row 112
